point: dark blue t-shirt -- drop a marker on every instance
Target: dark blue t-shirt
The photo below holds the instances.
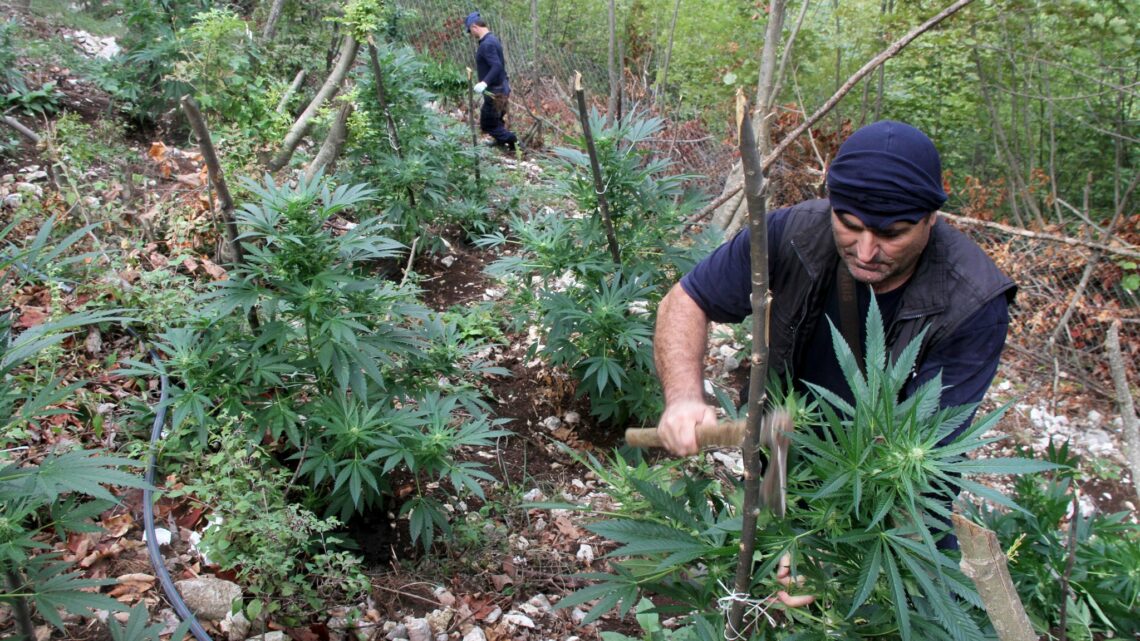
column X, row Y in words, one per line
column 721, row 285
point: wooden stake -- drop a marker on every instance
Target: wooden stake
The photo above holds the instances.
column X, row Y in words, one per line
column 599, row 185
column 471, row 121
column 985, row 563
column 757, row 385
column 217, row 178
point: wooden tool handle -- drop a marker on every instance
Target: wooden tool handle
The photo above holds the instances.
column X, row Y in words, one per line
column 724, row 434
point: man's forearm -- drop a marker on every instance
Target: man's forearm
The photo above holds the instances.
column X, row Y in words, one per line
column 679, row 344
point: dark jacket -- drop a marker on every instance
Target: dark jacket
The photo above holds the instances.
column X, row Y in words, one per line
column 491, row 65
column 953, row 280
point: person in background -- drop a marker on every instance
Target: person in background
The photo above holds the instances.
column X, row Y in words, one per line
column 493, row 85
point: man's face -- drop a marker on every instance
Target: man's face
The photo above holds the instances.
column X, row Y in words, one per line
column 882, row 258
column 477, row 31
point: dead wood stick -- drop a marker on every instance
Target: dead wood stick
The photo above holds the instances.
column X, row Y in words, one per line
column 301, row 126
column 333, row 144
column 23, row 131
column 596, row 169
column 985, row 563
column 1124, row 400
column 217, row 178
column 1129, row 251
column 888, row 53
column 297, row 80
column 471, row 122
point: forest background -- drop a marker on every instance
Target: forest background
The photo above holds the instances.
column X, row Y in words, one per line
column 351, row 358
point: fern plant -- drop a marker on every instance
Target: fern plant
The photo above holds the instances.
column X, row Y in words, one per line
column 868, row 501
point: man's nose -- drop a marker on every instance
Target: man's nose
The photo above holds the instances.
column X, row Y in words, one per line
column 866, row 247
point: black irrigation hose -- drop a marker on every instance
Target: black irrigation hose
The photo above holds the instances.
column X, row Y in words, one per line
column 155, row 554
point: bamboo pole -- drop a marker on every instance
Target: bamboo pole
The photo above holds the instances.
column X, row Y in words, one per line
column 599, row 185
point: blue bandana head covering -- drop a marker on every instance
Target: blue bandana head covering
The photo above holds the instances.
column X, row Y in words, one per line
column 470, row 20
column 886, row 172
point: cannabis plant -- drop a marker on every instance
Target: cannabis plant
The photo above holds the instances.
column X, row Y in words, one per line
column 50, row 496
column 597, row 316
column 1098, row 555
column 311, row 351
column 868, row 501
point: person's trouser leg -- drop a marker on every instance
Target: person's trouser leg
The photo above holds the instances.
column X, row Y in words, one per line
column 491, row 120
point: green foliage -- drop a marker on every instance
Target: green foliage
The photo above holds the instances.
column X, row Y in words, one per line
column 598, row 317
column 868, row 498
column 329, row 372
column 432, row 178
column 285, row 556
column 138, row 627
column 1105, row 574
column 41, row 102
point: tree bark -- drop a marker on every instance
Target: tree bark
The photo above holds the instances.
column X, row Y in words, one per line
column 615, row 79
column 729, row 198
column 217, row 178
column 270, row 28
column 757, row 385
column 985, row 563
column 659, row 90
column 333, row 144
column 301, row 127
column 595, row 168
column 1124, row 400
column 765, row 98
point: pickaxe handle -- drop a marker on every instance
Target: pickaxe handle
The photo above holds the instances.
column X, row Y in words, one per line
column 723, row 434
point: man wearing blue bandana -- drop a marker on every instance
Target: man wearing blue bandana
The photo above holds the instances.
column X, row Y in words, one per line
column 880, row 225
column 493, row 85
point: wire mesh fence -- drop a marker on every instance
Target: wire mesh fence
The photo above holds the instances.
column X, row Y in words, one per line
column 1068, row 293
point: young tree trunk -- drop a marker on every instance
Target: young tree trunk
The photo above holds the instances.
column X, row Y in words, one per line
column 727, row 208
column 595, row 168
column 389, row 121
column 757, row 384
column 765, row 98
column 270, row 28
column 659, row 90
column 301, row 127
column 32, row 136
column 985, row 563
column 534, row 50
column 334, row 143
column 615, row 79
column 1124, row 400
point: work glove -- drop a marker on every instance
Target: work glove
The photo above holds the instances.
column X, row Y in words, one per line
column 480, row 87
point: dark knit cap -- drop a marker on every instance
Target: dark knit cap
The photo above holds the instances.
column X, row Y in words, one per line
column 886, row 172
column 470, row 20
